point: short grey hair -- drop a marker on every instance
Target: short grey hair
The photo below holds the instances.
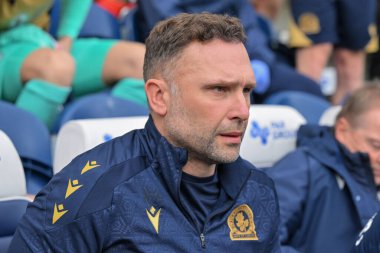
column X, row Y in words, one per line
column 360, row 102
column 169, row 38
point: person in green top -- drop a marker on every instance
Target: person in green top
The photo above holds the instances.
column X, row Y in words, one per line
column 37, row 72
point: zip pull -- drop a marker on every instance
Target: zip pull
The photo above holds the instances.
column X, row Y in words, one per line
column 203, row 240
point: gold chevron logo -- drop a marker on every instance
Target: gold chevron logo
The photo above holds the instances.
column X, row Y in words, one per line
column 59, row 211
column 89, row 166
column 154, row 217
column 72, row 187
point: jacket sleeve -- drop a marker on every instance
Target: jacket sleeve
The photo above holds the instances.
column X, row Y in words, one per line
column 81, row 235
column 73, row 15
column 63, row 218
column 291, row 181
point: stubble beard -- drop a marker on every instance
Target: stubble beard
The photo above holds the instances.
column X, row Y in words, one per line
column 199, row 141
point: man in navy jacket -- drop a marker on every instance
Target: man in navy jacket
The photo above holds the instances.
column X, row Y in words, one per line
column 178, row 185
column 327, row 187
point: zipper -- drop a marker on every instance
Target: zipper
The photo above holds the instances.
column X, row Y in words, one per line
column 203, row 240
column 188, row 217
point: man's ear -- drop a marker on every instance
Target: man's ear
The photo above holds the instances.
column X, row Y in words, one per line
column 156, row 92
column 342, row 130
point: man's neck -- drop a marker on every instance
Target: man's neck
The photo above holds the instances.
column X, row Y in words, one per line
column 199, row 168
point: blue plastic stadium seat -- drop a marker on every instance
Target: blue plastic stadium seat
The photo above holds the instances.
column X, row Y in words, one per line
column 12, row 190
column 271, row 134
column 99, row 105
column 99, row 23
column 11, row 211
column 32, row 141
column 311, row 107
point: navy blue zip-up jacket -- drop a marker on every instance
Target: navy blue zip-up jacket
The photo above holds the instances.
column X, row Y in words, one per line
column 123, row 196
column 326, row 193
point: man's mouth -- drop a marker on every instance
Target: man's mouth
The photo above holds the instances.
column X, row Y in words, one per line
column 232, row 137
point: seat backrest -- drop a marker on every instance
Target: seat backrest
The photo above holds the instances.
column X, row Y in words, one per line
column 329, row 116
column 78, row 136
column 32, row 141
column 309, row 106
column 12, row 177
column 11, row 211
column 29, row 135
column 99, row 105
column 13, row 201
column 99, row 23
column 271, row 133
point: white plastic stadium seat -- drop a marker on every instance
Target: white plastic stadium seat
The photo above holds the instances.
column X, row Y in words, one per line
column 271, row 133
column 78, row 136
column 12, row 177
column 328, row 117
column 13, row 201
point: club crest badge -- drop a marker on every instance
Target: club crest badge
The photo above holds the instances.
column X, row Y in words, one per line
column 309, row 23
column 241, row 224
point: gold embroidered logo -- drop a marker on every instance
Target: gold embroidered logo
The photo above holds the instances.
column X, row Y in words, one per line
column 309, row 23
column 373, row 44
column 154, row 217
column 89, row 166
column 241, row 224
column 59, row 211
column 72, row 187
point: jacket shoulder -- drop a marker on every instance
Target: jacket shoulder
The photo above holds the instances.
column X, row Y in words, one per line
column 258, row 175
column 86, row 184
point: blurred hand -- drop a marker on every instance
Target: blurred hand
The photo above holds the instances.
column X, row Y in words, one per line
column 262, row 75
column 65, row 43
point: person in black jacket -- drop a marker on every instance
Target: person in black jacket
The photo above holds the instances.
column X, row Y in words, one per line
column 328, row 186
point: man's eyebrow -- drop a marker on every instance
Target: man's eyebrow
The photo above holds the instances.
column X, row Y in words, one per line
column 253, row 84
column 226, row 82
column 373, row 139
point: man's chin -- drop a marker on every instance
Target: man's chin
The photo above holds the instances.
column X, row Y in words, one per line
column 226, row 158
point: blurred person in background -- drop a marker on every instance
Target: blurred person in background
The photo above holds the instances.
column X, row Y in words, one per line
column 328, row 187
column 345, row 29
column 271, row 74
column 37, row 72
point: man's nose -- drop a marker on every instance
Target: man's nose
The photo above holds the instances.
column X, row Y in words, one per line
column 240, row 107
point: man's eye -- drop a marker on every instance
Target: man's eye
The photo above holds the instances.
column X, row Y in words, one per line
column 219, row 89
column 247, row 90
column 375, row 146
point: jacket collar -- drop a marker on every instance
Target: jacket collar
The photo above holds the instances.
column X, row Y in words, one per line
column 168, row 161
column 358, row 164
column 320, row 142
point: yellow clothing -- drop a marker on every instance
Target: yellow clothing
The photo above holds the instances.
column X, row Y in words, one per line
column 24, row 11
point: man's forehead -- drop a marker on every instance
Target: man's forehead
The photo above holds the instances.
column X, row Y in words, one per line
column 369, row 119
column 216, row 52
